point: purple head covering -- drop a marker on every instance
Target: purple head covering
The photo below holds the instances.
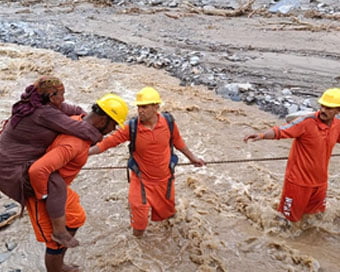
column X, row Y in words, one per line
column 32, row 98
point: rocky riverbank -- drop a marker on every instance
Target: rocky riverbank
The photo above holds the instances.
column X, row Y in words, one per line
column 234, row 71
column 227, row 217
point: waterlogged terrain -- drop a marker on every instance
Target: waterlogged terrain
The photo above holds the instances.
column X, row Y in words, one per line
column 226, row 212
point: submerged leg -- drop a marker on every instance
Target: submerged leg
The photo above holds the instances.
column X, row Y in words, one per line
column 138, row 233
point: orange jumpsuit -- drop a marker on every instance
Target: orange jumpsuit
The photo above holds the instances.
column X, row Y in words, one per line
column 152, row 155
column 67, row 154
column 306, row 175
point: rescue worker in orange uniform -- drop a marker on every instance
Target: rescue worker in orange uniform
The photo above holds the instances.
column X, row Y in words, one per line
column 66, row 155
column 153, row 189
column 36, row 120
column 306, row 177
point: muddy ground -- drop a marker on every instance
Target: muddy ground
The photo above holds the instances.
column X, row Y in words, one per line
column 200, row 44
column 226, row 218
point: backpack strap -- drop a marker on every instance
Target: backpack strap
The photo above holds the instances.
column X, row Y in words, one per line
column 133, row 122
column 133, row 131
column 132, row 164
column 173, row 157
column 170, row 120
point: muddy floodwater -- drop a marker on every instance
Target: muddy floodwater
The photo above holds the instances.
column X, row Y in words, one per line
column 226, row 216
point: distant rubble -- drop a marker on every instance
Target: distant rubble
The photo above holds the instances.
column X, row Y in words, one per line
column 281, row 6
column 188, row 66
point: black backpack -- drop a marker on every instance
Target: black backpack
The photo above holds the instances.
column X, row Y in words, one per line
column 132, row 164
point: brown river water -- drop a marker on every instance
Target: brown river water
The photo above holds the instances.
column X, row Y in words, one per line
column 226, row 213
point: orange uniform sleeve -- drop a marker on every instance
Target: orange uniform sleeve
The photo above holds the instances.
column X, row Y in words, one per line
column 290, row 130
column 177, row 138
column 118, row 137
column 53, row 160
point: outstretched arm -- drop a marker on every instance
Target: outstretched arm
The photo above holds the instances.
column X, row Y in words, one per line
column 54, row 119
column 116, row 138
column 94, row 150
column 269, row 134
column 193, row 159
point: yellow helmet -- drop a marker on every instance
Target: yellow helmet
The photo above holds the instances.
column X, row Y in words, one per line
column 115, row 107
column 147, row 95
column 330, row 98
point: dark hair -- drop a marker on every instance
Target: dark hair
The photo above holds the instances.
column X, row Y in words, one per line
column 45, row 98
column 96, row 109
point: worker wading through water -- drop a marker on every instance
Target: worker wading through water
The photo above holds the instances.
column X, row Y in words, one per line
column 306, row 179
column 66, row 156
column 152, row 185
column 37, row 118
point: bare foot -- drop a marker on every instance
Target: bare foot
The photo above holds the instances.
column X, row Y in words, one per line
column 65, row 239
column 70, row 268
